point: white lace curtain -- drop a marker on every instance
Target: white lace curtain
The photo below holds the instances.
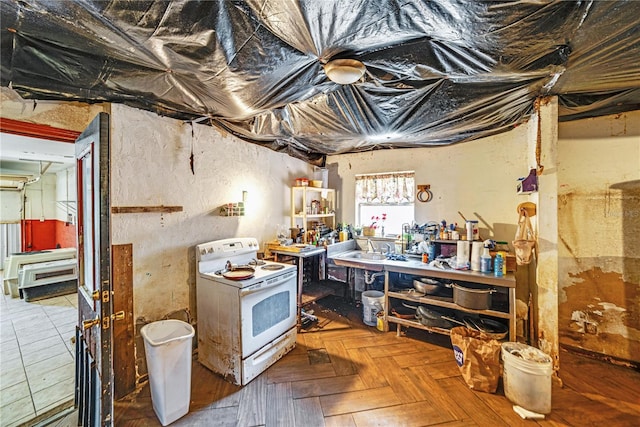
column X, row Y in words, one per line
column 386, row 188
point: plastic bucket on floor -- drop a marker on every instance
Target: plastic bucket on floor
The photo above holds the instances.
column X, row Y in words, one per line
column 372, row 303
column 527, row 377
column 167, row 344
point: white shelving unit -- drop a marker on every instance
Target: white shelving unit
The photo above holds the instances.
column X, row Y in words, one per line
column 303, row 201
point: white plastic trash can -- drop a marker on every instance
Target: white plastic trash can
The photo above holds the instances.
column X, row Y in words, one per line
column 167, row 344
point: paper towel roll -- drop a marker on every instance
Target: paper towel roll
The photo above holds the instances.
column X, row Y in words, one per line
column 462, row 257
column 476, row 249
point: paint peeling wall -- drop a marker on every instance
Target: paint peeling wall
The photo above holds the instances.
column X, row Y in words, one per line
column 599, row 229
column 151, row 166
column 544, row 272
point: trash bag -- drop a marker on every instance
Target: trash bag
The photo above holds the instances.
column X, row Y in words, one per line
column 478, row 357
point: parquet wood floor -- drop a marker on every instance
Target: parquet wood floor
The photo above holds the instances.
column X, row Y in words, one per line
column 349, row 374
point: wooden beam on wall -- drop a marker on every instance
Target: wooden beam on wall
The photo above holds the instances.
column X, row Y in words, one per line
column 145, row 209
column 124, row 359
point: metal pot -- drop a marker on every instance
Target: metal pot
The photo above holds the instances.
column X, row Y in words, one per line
column 477, row 299
column 427, row 286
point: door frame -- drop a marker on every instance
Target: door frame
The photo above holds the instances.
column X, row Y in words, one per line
column 123, row 341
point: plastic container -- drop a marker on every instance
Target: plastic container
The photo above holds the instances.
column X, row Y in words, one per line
column 504, row 262
column 167, row 344
column 527, row 377
column 372, row 303
column 321, row 174
column 472, row 229
column 485, row 261
column 498, row 266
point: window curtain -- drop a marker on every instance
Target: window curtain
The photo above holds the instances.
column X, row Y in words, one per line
column 388, row 188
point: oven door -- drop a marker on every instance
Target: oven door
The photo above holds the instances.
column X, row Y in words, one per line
column 267, row 311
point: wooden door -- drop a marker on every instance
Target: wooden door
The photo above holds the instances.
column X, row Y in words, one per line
column 94, row 370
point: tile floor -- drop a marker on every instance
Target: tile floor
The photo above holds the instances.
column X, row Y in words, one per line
column 37, row 368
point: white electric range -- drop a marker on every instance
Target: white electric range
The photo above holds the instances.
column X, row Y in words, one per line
column 246, row 319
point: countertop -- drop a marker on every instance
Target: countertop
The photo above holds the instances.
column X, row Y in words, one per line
column 418, row 268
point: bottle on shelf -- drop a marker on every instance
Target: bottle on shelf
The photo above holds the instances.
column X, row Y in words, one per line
column 344, row 233
column 504, row 262
column 497, row 265
column 485, row 260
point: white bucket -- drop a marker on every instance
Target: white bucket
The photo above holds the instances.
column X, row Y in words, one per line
column 372, row 303
column 527, row 377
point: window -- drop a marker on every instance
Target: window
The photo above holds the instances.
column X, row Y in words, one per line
column 385, row 195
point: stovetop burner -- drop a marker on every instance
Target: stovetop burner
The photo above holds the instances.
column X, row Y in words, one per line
column 273, row 267
column 257, row 262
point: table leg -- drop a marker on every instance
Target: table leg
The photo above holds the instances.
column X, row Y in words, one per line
column 300, row 263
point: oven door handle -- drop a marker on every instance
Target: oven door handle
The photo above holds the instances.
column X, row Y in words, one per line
column 259, row 287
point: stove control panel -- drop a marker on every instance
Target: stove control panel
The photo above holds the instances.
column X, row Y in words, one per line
column 228, row 247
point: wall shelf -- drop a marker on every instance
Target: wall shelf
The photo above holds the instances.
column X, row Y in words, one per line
column 145, row 209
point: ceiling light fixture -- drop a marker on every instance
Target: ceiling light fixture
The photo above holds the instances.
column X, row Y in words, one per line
column 344, row 71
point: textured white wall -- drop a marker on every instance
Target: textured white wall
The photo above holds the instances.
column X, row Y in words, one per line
column 477, row 178
column 150, row 160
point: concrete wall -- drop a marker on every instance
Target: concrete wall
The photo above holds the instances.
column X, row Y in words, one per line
column 599, row 229
column 151, row 166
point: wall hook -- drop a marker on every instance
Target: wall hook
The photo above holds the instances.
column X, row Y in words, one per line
column 529, row 207
column 424, row 193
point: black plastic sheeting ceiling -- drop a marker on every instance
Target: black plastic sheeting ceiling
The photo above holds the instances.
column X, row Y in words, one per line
column 437, row 72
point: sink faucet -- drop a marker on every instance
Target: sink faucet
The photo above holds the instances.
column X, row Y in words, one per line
column 370, row 245
column 388, row 245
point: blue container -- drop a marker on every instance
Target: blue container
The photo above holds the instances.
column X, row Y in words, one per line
column 485, row 264
column 431, row 251
column 497, row 265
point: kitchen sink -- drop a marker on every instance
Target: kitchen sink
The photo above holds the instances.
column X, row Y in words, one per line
column 366, row 255
column 361, row 259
